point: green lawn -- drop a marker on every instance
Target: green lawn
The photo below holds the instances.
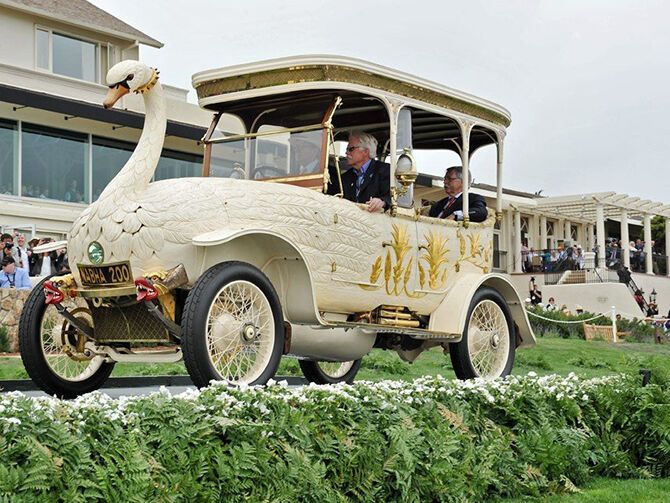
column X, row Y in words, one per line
column 610, row 491
column 552, row 355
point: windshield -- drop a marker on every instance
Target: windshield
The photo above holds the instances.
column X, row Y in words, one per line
column 273, row 153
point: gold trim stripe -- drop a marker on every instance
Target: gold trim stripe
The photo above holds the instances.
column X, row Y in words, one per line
column 336, row 73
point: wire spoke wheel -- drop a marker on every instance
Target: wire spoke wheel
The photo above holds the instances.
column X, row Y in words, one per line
column 63, row 345
column 240, row 332
column 488, row 339
column 53, row 350
column 487, row 348
column 232, row 326
column 320, row 372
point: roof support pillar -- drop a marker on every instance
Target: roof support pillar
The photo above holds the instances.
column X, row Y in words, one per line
column 667, row 246
column 543, row 233
column 567, row 232
column 534, row 236
column 600, row 234
column 589, row 237
column 499, row 173
column 648, row 262
column 516, row 253
column 625, row 239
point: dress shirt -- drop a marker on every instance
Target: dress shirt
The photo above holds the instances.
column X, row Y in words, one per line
column 19, row 280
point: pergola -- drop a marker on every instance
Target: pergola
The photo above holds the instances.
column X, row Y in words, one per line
column 598, row 206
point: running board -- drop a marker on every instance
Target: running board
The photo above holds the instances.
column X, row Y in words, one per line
column 416, row 333
column 172, row 356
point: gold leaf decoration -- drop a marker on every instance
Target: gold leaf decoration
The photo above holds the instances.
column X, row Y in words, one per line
column 436, row 257
column 422, row 275
column 376, row 270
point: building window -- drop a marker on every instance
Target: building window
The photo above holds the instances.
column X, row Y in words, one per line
column 109, row 156
column 9, row 157
column 67, row 55
column 174, row 164
column 54, row 164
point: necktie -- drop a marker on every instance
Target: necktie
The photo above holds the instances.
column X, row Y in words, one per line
column 449, row 202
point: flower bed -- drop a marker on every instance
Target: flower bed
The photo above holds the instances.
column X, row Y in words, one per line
column 430, row 440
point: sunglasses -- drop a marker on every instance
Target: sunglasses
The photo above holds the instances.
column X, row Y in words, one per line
column 351, row 149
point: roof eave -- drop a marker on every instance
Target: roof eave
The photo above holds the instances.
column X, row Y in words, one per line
column 146, row 40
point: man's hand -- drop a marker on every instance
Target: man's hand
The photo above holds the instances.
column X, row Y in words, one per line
column 375, row 204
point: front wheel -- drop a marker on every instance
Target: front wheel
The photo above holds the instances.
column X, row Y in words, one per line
column 487, row 347
column 330, row 372
column 232, row 326
column 53, row 350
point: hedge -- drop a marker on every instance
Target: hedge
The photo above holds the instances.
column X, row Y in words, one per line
column 433, row 439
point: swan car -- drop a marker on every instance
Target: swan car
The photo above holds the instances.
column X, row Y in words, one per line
column 262, row 256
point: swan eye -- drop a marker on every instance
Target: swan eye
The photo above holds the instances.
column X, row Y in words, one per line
column 130, row 77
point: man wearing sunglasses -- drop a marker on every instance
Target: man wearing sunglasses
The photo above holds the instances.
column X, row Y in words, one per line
column 368, row 179
column 451, row 207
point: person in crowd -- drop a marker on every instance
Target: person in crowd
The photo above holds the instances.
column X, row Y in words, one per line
column 624, row 275
column 7, row 243
column 21, row 253
column 551, row 305
column 639, row 298
column 62, row 262
column 579, row 309
column 12, row 276
column 536, row 296
column 579, row 258
column 45, row 262
column 451, row 207
column 368, row 180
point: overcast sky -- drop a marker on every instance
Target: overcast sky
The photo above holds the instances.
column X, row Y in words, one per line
column 587, row 81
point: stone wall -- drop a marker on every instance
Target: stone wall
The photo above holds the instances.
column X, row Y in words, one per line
column 11, row 304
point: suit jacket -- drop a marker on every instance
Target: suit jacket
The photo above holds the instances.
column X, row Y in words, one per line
column 477, row 209
column 376, row 184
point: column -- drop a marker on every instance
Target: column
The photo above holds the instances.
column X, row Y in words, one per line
column 507, row 233
column 543, row 233
column 625, row 239
column 534, row 238
column 589, row 237
column 559, row 229
column 600, row 234
column 648, row 263
column 516, row 252
column 567, row 234
column 667, row 246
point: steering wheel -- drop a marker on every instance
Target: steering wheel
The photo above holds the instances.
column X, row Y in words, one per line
column 262, row 172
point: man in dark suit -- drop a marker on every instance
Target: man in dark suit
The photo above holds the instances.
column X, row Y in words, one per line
column 368, row 180
column 451, row 207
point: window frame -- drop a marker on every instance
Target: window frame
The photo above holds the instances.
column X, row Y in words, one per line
column 99, row 47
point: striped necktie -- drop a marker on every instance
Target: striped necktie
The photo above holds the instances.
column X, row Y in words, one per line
column 447, row 205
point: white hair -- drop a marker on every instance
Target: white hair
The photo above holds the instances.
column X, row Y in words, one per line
column 366, row 140
column 459, row 173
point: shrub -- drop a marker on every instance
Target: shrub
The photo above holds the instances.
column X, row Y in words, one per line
column 430, row 440
column 4, row 339
column 384, row 361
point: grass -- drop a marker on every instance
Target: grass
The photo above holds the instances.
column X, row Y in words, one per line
column 552, row 355
column 610, row 490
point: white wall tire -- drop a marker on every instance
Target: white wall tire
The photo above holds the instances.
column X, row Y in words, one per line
column 232, row 326
column 488, row 344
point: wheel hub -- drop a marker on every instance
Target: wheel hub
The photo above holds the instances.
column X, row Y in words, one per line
column 249, row 332
column 495, row 339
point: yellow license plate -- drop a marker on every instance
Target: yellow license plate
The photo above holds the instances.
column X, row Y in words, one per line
column 109, row 274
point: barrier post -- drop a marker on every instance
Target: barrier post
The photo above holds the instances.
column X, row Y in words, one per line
column 614, row 324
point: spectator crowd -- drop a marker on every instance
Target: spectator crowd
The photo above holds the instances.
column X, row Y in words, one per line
column 19, row 261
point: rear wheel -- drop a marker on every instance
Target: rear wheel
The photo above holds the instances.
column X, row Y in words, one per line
column 487, row 347
column 330, row 372
column 232, row 326
column 53, row 350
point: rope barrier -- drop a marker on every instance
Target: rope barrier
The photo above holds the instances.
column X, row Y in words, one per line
column 566, row 322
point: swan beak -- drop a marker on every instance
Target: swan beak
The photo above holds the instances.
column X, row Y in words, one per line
column 113, row 95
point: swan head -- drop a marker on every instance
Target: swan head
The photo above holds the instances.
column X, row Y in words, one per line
column 128, row 76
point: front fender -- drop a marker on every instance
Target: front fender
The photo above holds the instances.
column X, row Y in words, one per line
column 451, row 315
column 280, row 259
